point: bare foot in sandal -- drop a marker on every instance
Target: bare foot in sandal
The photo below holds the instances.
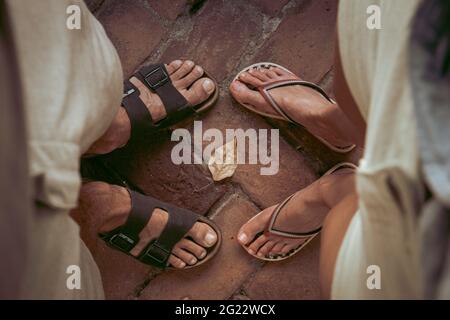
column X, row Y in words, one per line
column 147, row 106
column 187, row 77
column 299, row 217
column 301, row 104
column 113, row 204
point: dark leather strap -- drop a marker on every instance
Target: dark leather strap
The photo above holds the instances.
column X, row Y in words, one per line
column 158, row 251
column 125, row 237
column 156, row 78
column 140, row 118
column 270, row 229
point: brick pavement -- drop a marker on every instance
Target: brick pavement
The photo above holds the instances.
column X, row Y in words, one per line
column 222, row 36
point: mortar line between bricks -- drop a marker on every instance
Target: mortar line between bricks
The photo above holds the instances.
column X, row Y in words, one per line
column 247, row 280
column 182, row 25
column 164, row 21
column 137, row 292
column 222, row 202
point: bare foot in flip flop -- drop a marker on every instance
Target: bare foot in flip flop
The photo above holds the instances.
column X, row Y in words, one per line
column 302, row 104
column 280, row 231
column 113, row 204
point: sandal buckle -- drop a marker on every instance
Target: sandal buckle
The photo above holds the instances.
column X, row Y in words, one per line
column 156, row 253
column 122, row 242
column 156, row 78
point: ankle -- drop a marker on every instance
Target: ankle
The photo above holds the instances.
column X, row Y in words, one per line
column 328, row 124
column 115, row 137
column 118, row 208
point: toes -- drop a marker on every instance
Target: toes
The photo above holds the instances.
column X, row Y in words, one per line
column 277, row 248
column 271, row 74
column 250, row 79
column 254, row 247
column 259, row 74
column 193, row 248
column 203, row 234
column 185, row 68
column 185, row 256
column 288, row 247
column 176, row 262
column 244, row 94
column 173, row 66
column 200, row 91
column 254, row 226
column 265, row 249
column 280, row 72
column 186, row 81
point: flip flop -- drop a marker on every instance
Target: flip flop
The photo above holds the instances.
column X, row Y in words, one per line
column 265, row 92
column 309, row 236
column 156, row 78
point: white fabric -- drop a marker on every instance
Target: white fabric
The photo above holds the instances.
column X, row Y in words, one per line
column 384, row 230
column 72, row 85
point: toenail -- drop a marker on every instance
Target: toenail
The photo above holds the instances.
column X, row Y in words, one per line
column 193, row 261
column 203, row 254
column 199, row 69
column 210, row 238
column 177, row 63
column 260, row 254
column 243, row 237
column 189, row 63
column 251, row 251
column 182, row 264
column 237, row 86
column 208, row 85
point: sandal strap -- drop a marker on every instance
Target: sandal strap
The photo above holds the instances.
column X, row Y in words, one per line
column 157, row 79
column 270, row 225
column 264, row 90
column 157, row 252
column 126, row 237
column 295, row 235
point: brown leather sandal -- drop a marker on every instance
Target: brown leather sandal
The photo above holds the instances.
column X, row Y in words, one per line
column 126, row 237
column 158, row 251
column 157, row 79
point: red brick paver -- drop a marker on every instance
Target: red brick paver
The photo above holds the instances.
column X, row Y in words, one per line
column 270, row 7
column 133, row 29
column 171, row 11
column 222, row 36
column 294, row 278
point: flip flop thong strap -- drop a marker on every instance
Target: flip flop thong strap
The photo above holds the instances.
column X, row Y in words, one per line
column 264, row 90
column 270, row 225
column 157, row 252
column 156, row 78
column 295, row 235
